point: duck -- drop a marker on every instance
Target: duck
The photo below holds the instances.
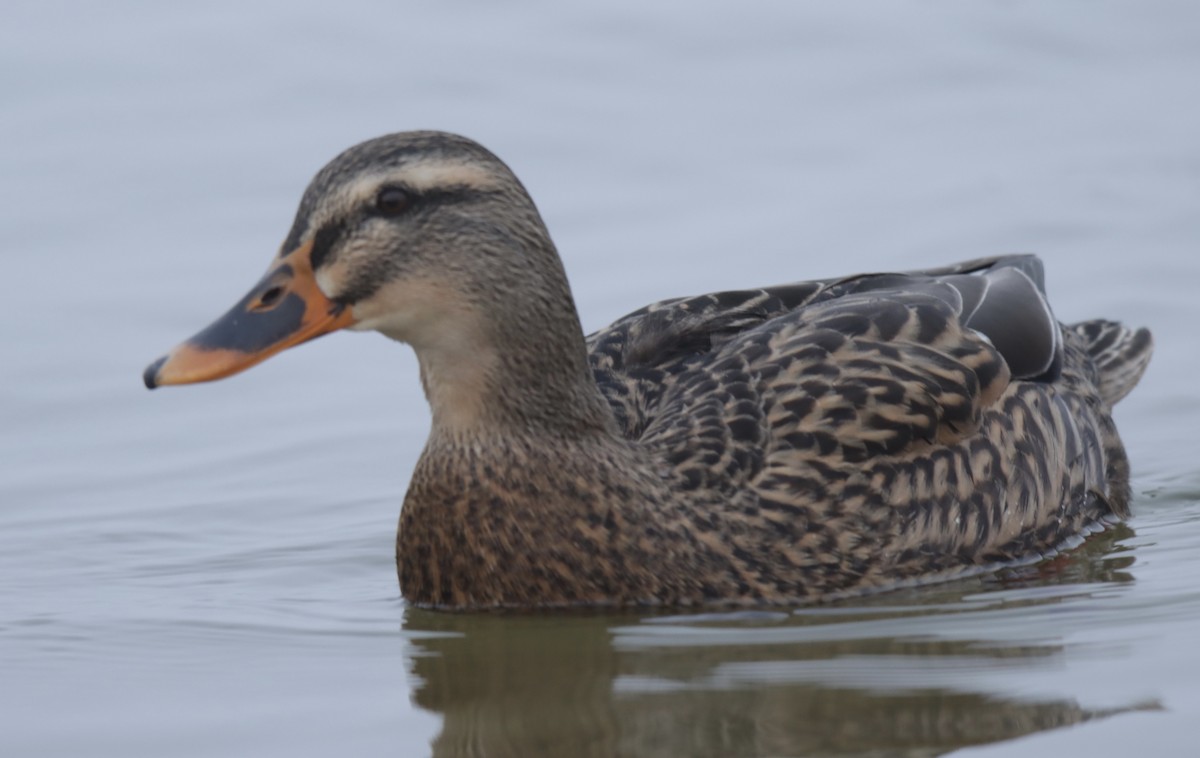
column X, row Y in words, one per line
column 773, row 446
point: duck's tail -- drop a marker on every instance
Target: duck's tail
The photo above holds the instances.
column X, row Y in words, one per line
column 1121, row 355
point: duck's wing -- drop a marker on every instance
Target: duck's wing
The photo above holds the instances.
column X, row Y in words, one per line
column 851, row 378
column 872, row 428
column 984, row 304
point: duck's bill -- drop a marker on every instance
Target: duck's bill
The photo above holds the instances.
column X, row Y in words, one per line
column 285, row 308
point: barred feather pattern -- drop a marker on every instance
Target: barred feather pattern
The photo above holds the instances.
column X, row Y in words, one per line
column 860, row 440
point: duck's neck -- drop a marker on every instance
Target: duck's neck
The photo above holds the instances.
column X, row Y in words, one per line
column 512, row 363
column 536, row 380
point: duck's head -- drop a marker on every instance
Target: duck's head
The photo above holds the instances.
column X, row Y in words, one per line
column 424, row 236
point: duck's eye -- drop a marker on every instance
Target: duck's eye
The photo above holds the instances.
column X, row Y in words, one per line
column 392, row 201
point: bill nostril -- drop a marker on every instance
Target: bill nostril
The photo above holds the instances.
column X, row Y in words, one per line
column 269, row 297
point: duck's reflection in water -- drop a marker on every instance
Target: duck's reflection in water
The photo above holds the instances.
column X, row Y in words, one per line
column 913, row 675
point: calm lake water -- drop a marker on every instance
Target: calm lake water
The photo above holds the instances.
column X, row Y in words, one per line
column 208, row 571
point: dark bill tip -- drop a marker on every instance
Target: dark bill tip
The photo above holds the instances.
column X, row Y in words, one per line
column 150, row 376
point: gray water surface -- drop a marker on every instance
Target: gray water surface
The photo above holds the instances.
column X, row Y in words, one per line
column 208, row 571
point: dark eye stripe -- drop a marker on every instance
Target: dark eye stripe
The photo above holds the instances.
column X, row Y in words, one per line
column 324, row 241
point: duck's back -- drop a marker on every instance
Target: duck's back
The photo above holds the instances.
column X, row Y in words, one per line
column 846, row 434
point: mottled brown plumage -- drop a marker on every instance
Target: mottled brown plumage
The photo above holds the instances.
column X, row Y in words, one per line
column 765, row 446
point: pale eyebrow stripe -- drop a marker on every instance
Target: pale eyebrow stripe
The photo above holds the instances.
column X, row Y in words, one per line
column 427, row 175
column 431, row 175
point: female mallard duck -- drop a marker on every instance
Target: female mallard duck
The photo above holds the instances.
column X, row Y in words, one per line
column 762, row 446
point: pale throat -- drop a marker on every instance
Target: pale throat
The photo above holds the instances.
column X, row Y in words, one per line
column 458, row 382
column 457, row 356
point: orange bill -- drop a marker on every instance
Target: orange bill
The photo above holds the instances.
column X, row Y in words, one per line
column 285, row 308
